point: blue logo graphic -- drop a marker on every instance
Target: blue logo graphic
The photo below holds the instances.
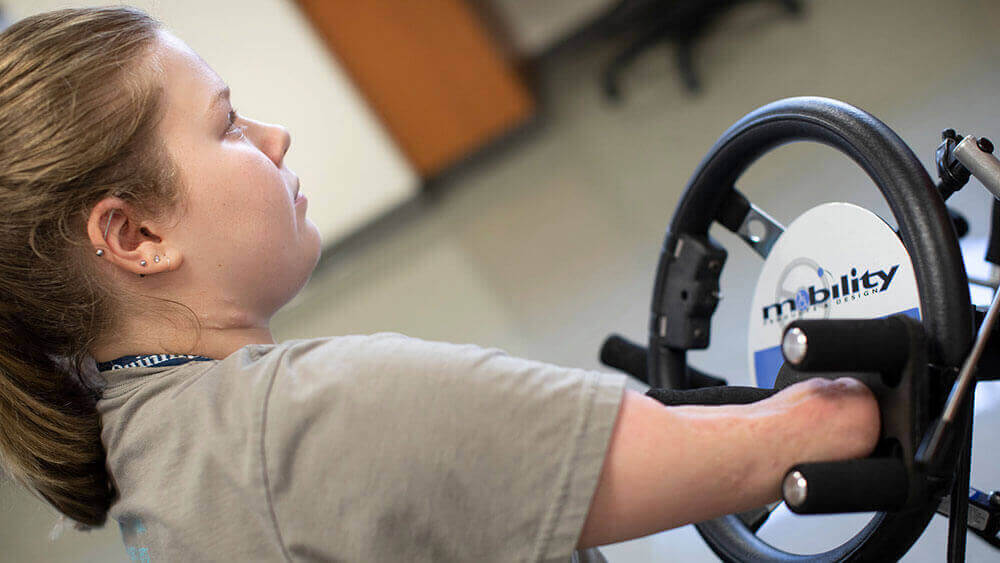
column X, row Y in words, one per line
column 802, row 300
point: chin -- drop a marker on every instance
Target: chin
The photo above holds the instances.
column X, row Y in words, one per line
column 317, row 252
column 317, row 243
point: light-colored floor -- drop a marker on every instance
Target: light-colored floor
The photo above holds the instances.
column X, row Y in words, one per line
column 551, row 245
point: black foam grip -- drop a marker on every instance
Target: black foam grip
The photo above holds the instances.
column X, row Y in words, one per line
column 725, row 395
column 857, row 485
column 859, row 345
column 622, row 354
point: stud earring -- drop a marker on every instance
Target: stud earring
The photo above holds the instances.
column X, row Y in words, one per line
column 156, row 258
column 142, row 263
column 100, row 252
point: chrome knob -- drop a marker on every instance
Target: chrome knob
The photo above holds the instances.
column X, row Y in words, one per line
column 793, row 345
column 794, row 488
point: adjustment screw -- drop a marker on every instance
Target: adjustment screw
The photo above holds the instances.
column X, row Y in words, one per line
column 794, row 345
column 795, row 488
column 948, row 134
column 985, row 145
column 995, row 498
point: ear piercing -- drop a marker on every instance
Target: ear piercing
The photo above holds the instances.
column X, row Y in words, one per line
column 156, row 258
column 100, row 251
column 108, row 228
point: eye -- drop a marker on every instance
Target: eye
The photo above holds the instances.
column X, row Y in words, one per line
column 233, row 130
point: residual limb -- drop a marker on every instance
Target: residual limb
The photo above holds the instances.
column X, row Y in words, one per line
column 890, row 356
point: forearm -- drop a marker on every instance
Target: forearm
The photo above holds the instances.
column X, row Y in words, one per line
column 668, row 467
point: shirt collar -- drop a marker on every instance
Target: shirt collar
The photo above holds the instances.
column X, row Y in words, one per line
column 150, row 360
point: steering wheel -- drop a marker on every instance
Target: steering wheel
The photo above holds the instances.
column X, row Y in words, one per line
column 686, row 287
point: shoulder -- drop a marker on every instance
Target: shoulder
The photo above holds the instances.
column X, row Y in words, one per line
column 398, row 366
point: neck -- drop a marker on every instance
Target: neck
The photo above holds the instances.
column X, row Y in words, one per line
column 216, row 343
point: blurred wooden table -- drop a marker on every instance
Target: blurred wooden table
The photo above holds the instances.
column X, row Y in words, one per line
column 430, row 70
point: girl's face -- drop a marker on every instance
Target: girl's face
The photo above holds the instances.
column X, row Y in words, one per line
column 242, row 229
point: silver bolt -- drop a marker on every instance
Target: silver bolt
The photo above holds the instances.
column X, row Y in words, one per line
column 794, row 488
column 793, row 345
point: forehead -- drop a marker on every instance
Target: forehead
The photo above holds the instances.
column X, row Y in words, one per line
column 189, row 83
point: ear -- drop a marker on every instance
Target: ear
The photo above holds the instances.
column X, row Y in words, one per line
column 122, row 238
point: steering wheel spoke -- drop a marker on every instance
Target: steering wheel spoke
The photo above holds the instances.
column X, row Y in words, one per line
column 752, row 224
column 754, row 518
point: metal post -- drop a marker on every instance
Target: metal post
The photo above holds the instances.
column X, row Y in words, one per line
column 958, row 517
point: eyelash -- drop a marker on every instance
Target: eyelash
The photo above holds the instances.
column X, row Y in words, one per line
column 232, row 128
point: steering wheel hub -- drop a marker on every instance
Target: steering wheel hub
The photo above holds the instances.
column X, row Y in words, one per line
column 835, row 261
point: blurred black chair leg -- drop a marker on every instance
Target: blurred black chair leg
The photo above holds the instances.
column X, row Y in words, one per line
column 679, row 21
column 624, row 59
column 685, row 64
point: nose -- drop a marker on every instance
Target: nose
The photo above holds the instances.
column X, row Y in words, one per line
column 272, row 140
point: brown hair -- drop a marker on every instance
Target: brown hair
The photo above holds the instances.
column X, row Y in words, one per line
column 79, row 107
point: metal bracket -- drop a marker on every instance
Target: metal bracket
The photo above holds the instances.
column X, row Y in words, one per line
column 760, row 231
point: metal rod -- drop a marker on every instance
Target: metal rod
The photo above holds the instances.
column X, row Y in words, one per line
column 966, row 375
column 980, row 162
column 958, row 519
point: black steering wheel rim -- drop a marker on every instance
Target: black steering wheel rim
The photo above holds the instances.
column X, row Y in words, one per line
column 926, row 232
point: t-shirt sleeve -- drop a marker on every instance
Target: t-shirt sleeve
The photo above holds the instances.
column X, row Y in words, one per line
column 389, row 448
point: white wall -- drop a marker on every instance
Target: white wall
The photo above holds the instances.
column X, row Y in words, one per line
column 281, row 72
column 535, row 25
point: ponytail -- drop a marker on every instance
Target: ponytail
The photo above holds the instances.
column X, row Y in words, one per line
column 50, row 434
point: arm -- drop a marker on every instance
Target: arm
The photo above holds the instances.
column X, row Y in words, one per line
column 670, row 466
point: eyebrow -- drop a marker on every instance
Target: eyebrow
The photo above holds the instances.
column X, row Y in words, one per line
column 218, row 98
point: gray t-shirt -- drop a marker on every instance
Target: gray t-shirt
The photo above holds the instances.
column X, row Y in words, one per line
column 357, row 448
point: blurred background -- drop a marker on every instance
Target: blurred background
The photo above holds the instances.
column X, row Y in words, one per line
column 502, row 172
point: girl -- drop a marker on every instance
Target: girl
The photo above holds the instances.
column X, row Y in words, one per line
column 147, row 235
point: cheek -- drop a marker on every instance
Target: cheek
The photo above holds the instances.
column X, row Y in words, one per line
column 240, row 210
column 249, row 199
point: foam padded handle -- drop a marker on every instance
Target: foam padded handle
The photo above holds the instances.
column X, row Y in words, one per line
column 879, row 345
column 622, row 354
column 858, row 485
column 722, row 395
